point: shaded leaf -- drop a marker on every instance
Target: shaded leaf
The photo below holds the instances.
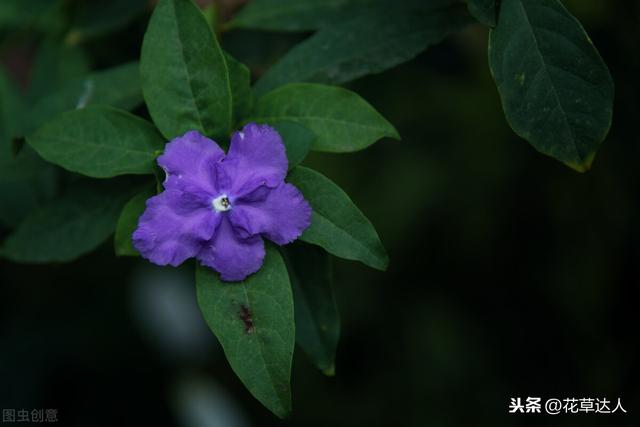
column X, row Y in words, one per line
column 297, row 141
column 26, row 181
column 99, row 17
column 253, row 320
column 55, row 64
column 185, row 80
column 371, row 42
column 210, row 13
column 128, row 222
column 42, row 15
column 556, row 90
column 69, row 226
column 316, row 314
column 291, row 15
column 100, row 142
column 341, row 120
column 308, row 15
column 117, row 87
column 485, row 11
column 11, row 111
column 337, row 224
column 240, row 79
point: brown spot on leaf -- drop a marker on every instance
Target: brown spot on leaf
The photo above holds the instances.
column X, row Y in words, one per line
column 247, row 319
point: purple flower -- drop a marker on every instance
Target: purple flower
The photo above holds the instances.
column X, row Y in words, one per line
column 218, row 208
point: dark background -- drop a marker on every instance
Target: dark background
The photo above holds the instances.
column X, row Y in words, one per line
column 511, row 275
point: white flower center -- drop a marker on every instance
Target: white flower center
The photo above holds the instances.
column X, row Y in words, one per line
column 221, row 203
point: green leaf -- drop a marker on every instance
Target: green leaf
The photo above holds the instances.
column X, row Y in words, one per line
column 309, row 15
column 11, row 111
column 26, row 181
column 68, row 227
column 316, row 314
column 485, row 11
column 128, row 222
column 100, row 142
column 337, row 224
column 118, row 87
column 54, row 66
column 290, row 15
column 341, row 120
column 240, row 79
column 556, row 91
column 297, row 141
column 371, row 42
column 43, row 15
column 185, row 80
column 210, row 13
column 14, row 12
column 253, row 320
column 99, row 17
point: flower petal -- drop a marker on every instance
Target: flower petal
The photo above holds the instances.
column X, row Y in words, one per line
column 281, row 216
column 256, row 157
column 233, row 257
column 190, row 162
column 174, row 227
